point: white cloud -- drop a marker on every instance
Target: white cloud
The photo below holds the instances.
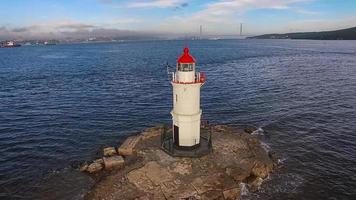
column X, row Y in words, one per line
column 222, row 16
column 155, row 4
column 69, row 28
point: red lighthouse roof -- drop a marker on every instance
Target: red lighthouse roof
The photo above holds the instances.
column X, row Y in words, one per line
column 186, row 57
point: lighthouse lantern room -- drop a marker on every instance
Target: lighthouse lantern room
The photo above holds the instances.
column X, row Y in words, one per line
column 186, row 113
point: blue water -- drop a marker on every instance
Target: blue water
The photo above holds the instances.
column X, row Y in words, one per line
column 60, row 104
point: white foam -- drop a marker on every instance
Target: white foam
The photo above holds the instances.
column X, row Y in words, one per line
column 265, row 146
column 281, row 160
column 259, row 131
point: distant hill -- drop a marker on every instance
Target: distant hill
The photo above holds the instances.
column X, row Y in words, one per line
column 343, row 34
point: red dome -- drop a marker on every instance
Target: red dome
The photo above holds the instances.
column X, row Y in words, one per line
column 186, row 57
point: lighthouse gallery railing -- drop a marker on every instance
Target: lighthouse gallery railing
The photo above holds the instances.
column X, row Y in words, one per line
column 199, row 78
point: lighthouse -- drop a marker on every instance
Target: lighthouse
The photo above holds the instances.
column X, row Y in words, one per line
column 186, row 112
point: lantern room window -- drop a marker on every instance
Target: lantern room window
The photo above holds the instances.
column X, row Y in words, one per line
column 184, row 67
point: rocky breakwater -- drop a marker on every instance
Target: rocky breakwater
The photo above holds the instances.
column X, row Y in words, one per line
column 144, row 171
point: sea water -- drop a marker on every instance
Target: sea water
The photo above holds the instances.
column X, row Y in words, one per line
column 60, row 104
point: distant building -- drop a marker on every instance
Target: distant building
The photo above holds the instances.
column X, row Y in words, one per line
column 8, row 44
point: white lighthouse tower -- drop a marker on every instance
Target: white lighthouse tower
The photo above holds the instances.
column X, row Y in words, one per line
column 186, row 113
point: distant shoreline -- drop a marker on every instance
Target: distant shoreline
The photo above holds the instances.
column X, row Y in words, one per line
column 343, row 34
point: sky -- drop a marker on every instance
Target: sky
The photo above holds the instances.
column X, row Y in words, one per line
column 84, row 18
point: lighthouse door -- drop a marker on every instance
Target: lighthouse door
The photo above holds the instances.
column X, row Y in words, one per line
column 176, row 135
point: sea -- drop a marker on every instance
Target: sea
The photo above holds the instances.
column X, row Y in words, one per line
column 62, row 104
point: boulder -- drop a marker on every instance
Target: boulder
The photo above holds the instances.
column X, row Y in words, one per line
column 94, row 167
column 83, row 167
column 99, row 160
column 250, row 129
column 128, row 147
column 113, row 162
column 109, row 151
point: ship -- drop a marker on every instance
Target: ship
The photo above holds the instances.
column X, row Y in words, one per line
column 9, row 44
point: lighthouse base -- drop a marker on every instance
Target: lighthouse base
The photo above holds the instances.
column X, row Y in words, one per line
column 187, row 148
column 203, row 148
column 186, row 129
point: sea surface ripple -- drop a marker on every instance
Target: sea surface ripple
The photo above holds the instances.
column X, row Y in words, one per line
column 61, row 104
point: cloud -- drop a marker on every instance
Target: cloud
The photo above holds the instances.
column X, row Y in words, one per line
column 76, row 26
column 155, row 4
column 146, row 3
column 183, row 5
column 306, row 12
column 222, row 16
column 125, row 21
column 61, row 29
column 19, row 30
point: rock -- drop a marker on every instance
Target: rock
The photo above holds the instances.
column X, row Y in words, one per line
column 220, row 128
column 206, row 183
column 212, row 195
column 113, row 162
column 128, row 147
column 84, row 167
column 274, row 157
column 109, row 151
column 157, row 173
column 254, row 183
column 238, row 174
column 94, row 167
column 250, row 129
column 182, row 168
column 151, row 132
column 176, row 190
column 99, row 160
column 261, row 169
column 146, row 197
column 231, row 194
column 140, row 180
column 238, row 157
